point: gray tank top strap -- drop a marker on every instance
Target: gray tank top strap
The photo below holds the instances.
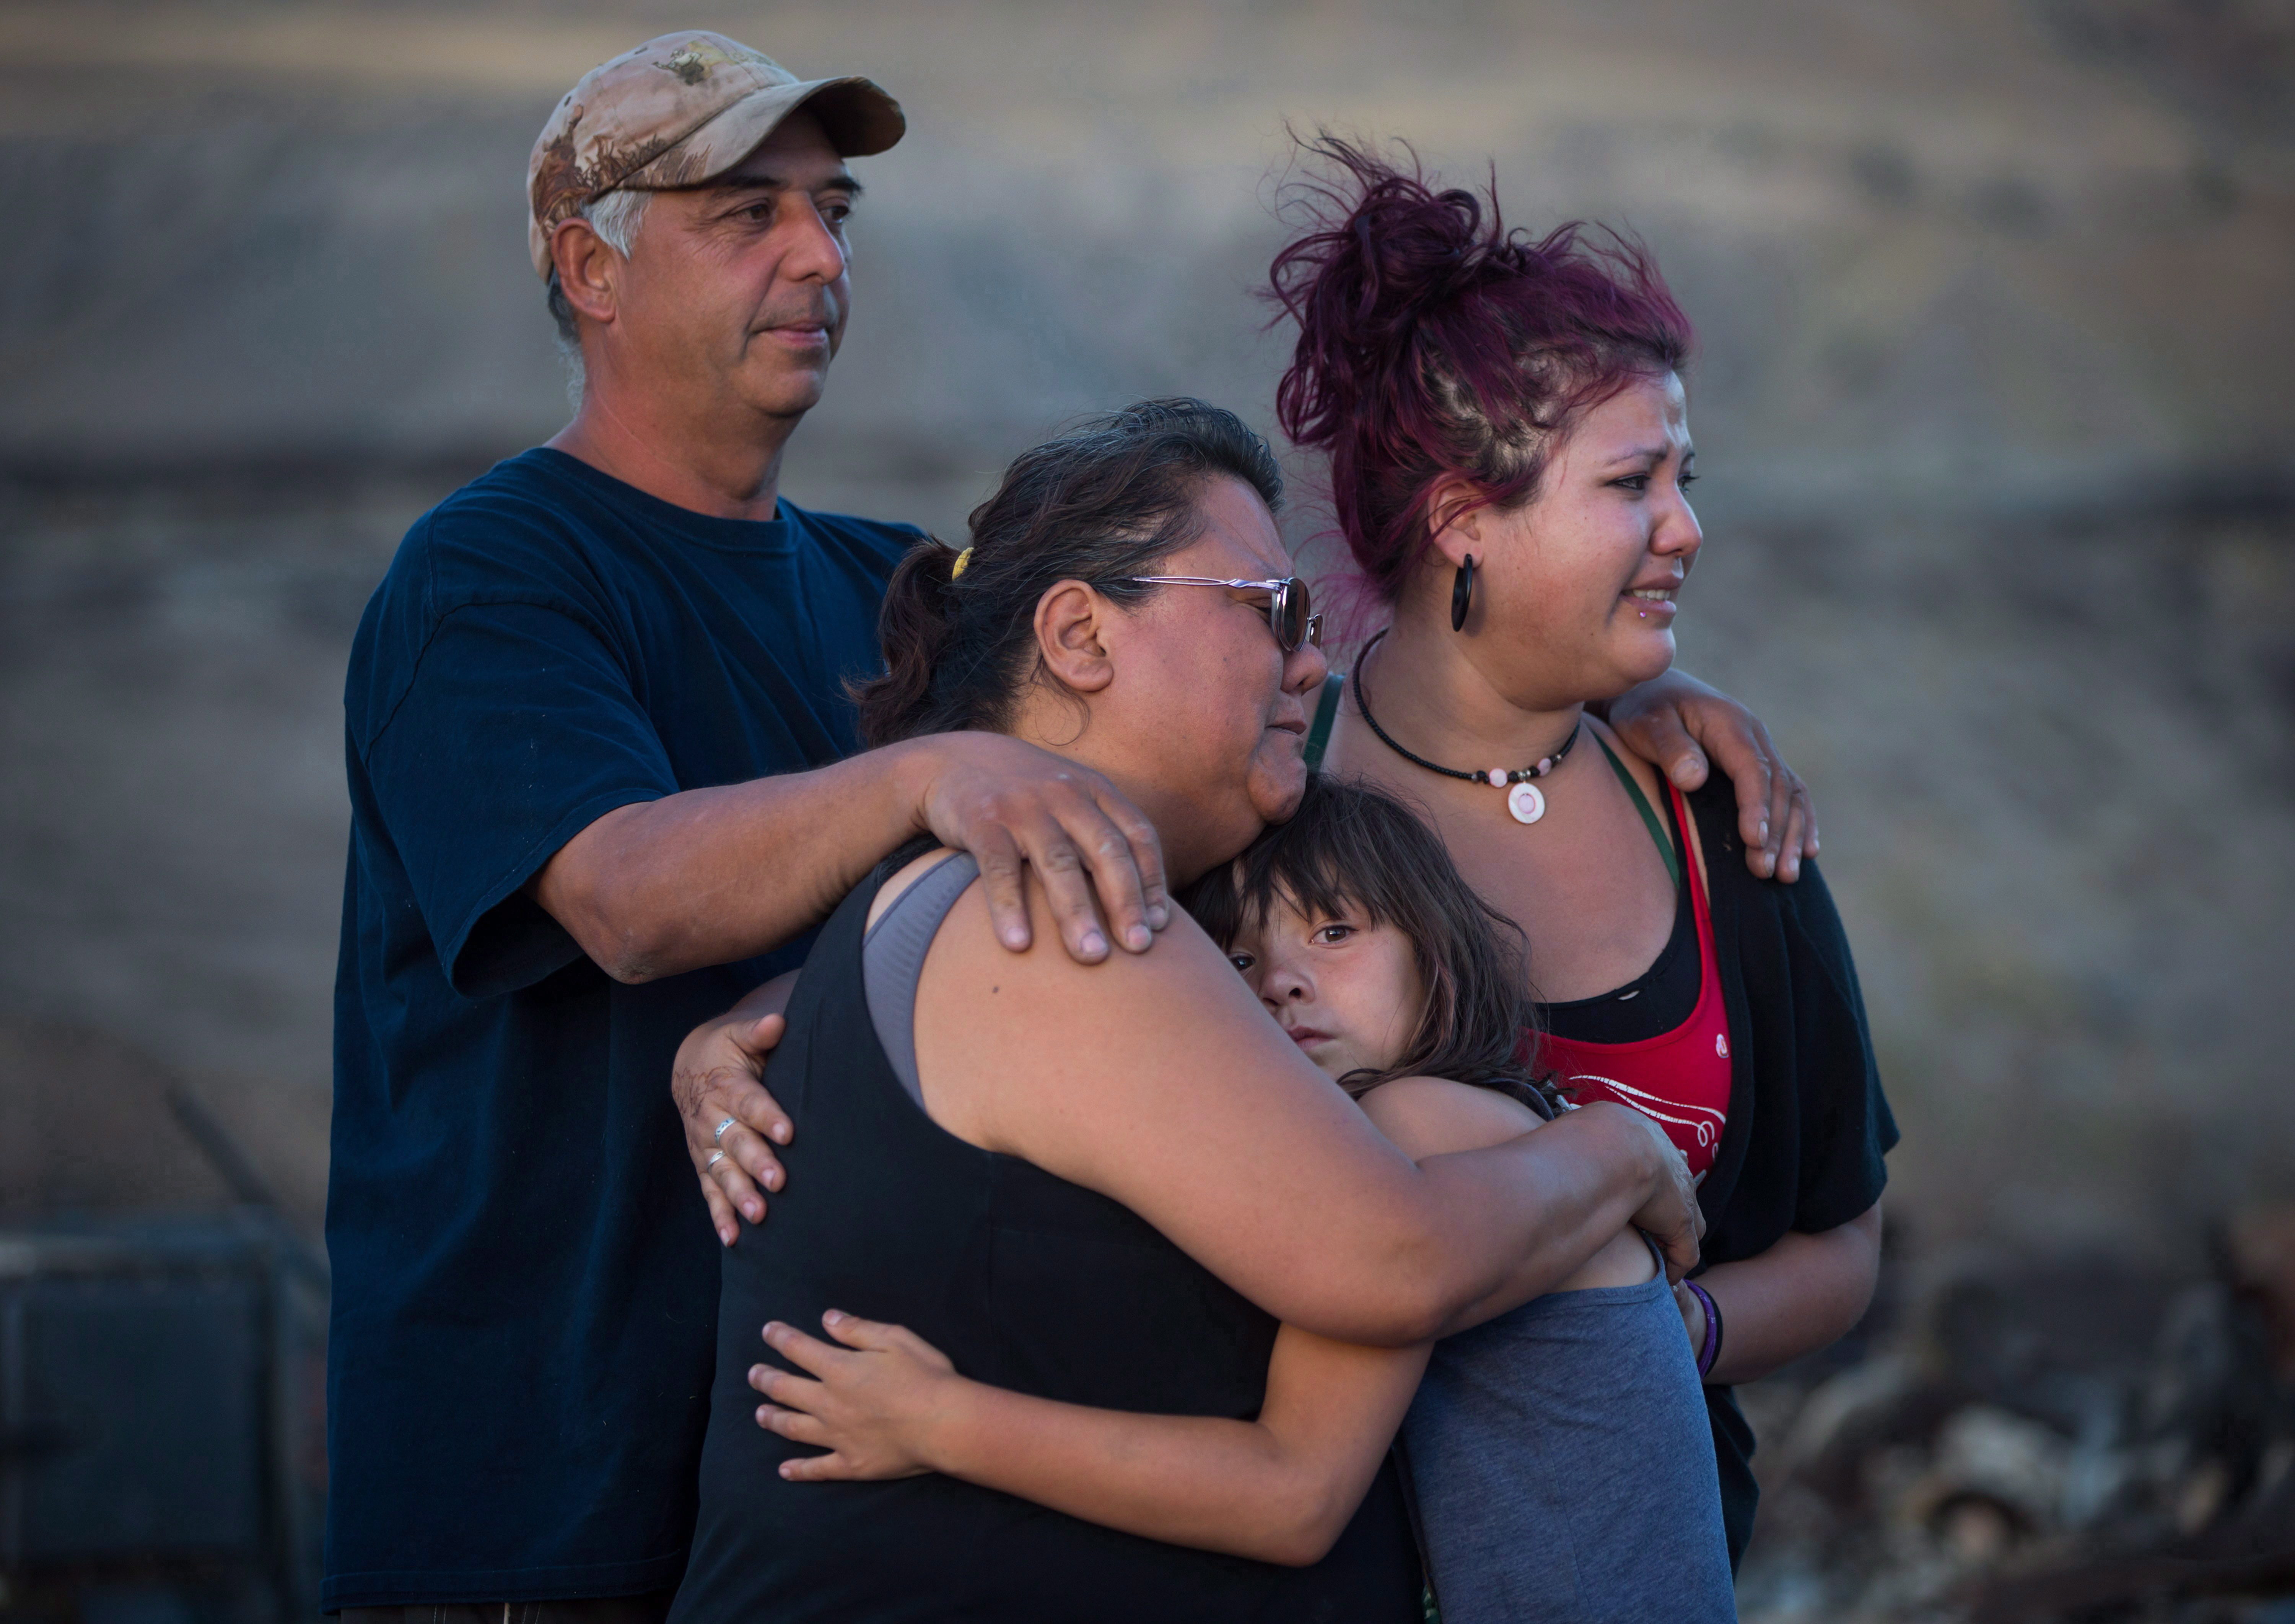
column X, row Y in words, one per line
column 892, row 959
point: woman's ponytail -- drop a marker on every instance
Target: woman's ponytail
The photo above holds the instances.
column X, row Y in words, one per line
column 913, row 628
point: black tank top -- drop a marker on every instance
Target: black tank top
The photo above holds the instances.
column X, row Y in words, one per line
column 1025, row 1280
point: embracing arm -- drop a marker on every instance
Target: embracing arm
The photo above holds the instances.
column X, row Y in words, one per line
column 1559, row 1197
column 1278, row 1489
column 1158, row 1080
column 1803, row 1294
column 711, row 876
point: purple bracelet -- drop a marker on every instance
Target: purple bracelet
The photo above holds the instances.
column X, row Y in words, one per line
column 1711, row 1350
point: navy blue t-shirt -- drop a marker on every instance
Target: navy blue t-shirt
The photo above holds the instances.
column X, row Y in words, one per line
column 524, row 1277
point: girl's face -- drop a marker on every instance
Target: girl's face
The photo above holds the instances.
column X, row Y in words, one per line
column 1346, row 991
column 1577, row 590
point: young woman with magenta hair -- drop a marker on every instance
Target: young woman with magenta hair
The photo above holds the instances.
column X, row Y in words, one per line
column 1509, row 460
column 1558, row 1457
column 1106, row 1184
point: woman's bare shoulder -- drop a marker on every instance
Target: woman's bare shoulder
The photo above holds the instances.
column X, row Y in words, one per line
column 1432, row 1116
column 1116, row 1075
column 1180, row 953
column 1013, row 1016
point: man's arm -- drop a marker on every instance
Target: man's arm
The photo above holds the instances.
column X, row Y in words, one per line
column 708, row 876
column 1675, row 723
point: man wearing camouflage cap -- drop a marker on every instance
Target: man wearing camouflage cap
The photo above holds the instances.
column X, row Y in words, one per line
column 604, row 779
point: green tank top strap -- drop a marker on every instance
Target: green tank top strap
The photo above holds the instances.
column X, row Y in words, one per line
column 1649, row 814
column 1326, row 712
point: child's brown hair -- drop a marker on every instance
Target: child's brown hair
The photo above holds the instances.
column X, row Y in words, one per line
column 1350, row 844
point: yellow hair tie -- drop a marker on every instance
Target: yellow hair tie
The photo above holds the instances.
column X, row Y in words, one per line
column 962, row 558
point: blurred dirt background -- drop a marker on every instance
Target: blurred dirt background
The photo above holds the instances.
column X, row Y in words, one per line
column 2000, row 503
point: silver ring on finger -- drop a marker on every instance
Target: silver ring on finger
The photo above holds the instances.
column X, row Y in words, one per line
column 717, row 1134
column 716, row 1156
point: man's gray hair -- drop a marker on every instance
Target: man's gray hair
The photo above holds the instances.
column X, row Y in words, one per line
column 615, row 217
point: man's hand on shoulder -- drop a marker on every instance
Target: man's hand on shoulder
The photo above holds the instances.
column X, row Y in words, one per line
column 1013, row 805
column 1675, row 723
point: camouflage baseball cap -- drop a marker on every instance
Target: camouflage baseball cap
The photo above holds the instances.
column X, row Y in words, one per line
column 677, row 110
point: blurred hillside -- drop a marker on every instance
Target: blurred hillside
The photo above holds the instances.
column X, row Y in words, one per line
column 1993, row 405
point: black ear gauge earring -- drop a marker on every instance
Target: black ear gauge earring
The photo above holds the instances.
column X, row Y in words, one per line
column 1462, row 593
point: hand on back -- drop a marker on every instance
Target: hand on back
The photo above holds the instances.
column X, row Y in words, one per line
column 870, row 1403
column 732, row 1123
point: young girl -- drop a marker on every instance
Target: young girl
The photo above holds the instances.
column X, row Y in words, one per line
column 1558, row 1455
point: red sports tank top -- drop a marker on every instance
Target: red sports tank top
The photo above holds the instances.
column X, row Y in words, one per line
column 1680, row 1079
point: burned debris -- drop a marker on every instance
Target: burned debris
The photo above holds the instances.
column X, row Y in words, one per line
column 2053, row 1439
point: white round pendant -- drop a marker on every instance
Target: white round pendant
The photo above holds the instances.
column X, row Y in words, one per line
column 1525, row 803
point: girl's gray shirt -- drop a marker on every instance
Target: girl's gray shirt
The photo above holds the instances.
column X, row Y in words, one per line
column 1561, row 1468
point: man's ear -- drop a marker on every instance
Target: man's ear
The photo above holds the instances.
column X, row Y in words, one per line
column 1454, row 522
column 1072, row 622
column 589, row 271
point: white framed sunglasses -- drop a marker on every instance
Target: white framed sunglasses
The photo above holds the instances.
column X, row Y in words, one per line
column 1289, row 615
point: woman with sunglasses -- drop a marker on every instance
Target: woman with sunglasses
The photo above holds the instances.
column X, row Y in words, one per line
column 1289, row 615
column 1105, row 1184
column 1510, row 459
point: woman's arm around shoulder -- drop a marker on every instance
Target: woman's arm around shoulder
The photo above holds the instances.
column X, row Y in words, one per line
column 1431, row 1116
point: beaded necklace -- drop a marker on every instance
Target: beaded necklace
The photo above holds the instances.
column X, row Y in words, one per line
column 1524, row 799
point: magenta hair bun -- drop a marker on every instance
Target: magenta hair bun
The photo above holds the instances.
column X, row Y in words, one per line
column 1435, row 343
